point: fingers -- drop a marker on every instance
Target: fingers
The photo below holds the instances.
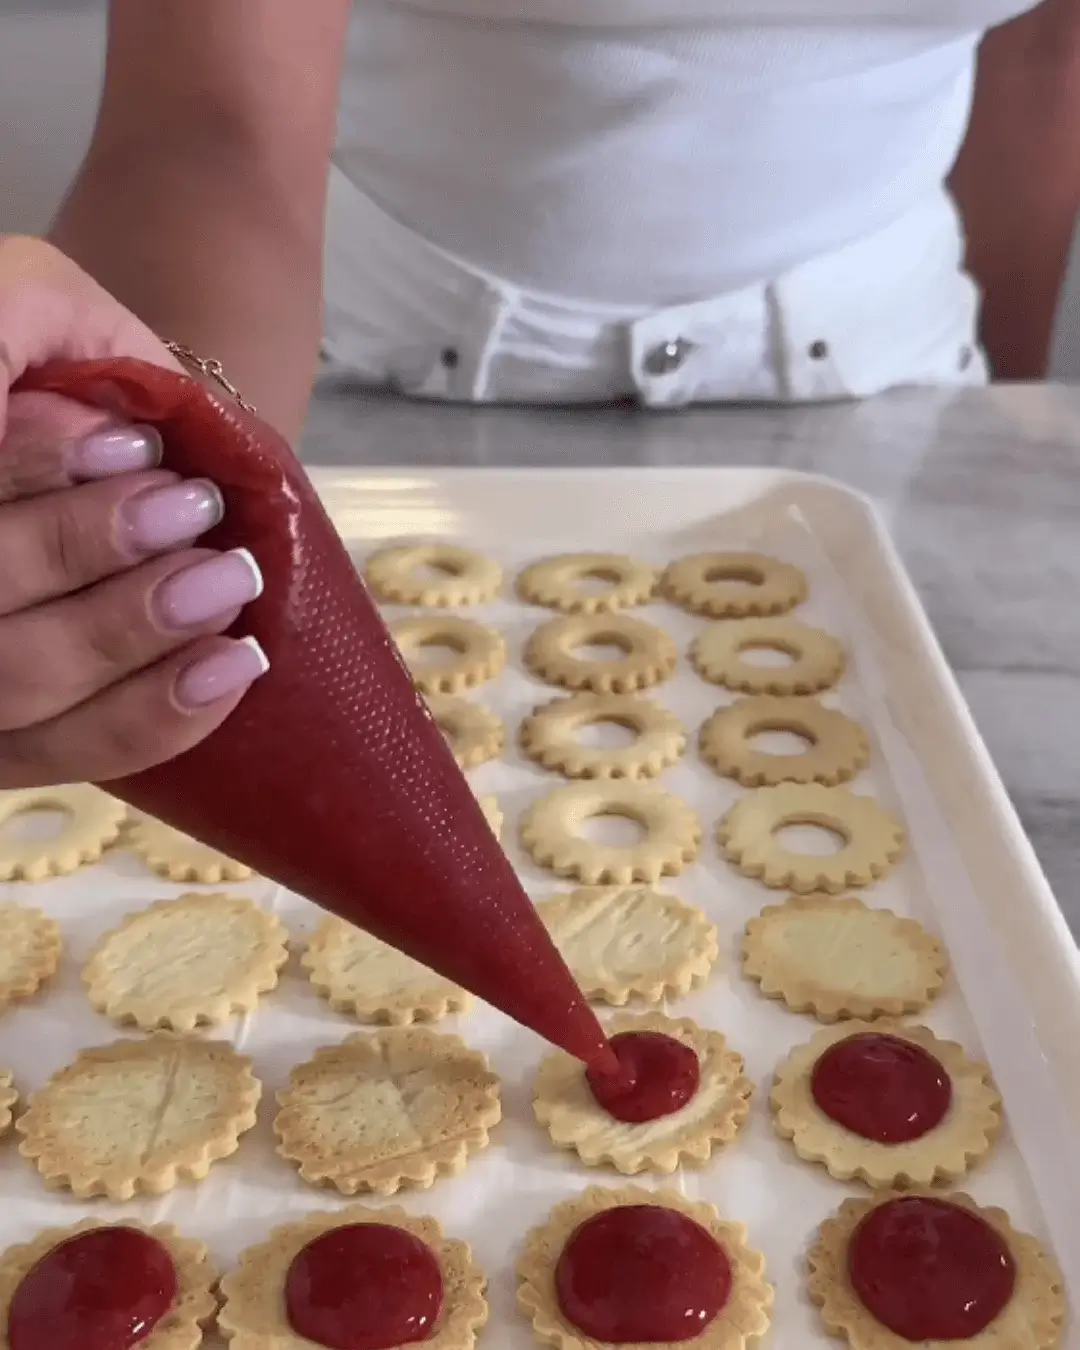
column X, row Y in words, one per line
column 52, row 443
column 56, row 537
column 140, row 722
column 57, row 656
column 110, row 659
column 56, row 545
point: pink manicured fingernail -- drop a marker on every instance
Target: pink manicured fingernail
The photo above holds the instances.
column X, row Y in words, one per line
column 221, row 675
column 206, row 591
column 116, row 450
column 164, row 517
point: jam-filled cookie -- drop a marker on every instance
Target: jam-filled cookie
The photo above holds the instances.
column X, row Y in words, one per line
column 884, row 1103
column 640, row 1267
column 898, row 1270
column 376, row 1278
column 680, row 1094
column 106, row 1286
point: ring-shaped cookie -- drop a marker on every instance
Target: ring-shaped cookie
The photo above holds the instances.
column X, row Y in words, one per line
column 837, row 747
column 672, row 833
column 557, row 583
column 433, row 575
column 475, row 734
column 648, row 655
column 733, row 585
column 93, row 823
column 872, row 838
column 817, row 659
column 548, row 736
column 478, row 653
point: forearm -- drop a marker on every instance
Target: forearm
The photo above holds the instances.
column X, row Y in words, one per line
column 1017, row 182
column 199, row 243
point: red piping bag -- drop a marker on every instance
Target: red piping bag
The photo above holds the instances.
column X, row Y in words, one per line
column 331, row 776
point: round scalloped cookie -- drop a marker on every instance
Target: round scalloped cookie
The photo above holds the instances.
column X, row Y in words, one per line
column 624, row 942
column 383, row 1111
column 193, row 961
column 358, row 974
column 137, row 1117
column 178, row 857
column 834, row 957
column 30, row 948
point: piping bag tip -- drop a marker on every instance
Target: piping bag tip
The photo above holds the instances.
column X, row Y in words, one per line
column 331, row 777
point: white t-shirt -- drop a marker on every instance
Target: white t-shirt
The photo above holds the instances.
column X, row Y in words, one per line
column 647, row 150
column 654, row 153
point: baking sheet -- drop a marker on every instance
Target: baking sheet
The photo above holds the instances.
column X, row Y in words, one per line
column 969, row 876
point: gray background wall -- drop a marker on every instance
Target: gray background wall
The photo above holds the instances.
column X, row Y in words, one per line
column 50, row 67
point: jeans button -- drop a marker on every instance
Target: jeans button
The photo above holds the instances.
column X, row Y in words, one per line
column 667, row 357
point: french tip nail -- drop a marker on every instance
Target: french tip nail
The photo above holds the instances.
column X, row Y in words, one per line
column 219, row 500
column 226, row 672
column 256, row 572
column 256, row 646
column 155, row 446
column 116, row 449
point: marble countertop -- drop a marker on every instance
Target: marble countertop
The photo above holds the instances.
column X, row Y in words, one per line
column 981, row 490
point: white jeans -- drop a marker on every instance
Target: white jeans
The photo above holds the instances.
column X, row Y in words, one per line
column 895, row 308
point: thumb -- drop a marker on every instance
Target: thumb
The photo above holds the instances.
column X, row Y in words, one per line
column 50, row 309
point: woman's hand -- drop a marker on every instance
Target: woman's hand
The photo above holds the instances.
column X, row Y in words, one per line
column 110, row 654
